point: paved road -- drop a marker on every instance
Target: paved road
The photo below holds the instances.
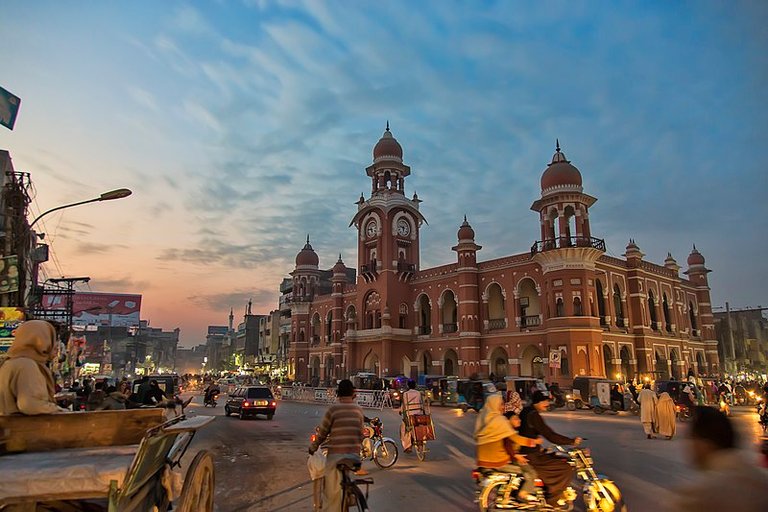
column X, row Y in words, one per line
column 261, row 464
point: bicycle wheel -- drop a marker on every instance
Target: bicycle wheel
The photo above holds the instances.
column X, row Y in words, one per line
column 354, row 500
column 385, row 455
column 421, row 450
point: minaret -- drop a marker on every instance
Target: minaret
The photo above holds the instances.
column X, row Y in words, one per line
column 700, row 318
column 338, row 281
column 306, row 277
column 468, row 313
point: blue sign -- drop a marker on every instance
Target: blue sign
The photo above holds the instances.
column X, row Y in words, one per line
column 9, row 108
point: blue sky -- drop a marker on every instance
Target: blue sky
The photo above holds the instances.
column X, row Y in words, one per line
column 242, row 126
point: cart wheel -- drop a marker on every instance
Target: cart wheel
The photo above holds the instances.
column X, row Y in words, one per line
column 579, row 404
column 571, row 406
column 227, row 412
column 421, row 450
column 199, row 485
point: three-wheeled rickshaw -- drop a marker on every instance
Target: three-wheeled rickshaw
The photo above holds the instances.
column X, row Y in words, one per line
column 114, row 461
column 525, row 387
column 472, row 393
column 612, row 396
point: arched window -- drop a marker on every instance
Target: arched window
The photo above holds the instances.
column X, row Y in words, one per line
column 403, row 316
column 600, row 301
column 577, row 308
column 618, row 306
column 329, row 327
column 692, row 316
column 565, row 368
column 373, row 310
column 667, row 316
column 652, row 310
column 496, row 307
column 559, row 307
column 316, row 330
column 425, row 315
column 449, row 312
column 528, row 298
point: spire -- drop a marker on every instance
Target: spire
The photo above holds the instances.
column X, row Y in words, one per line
column 387, row 125
column 557, row 148
column 307, row 238
column 339, row 258
column 465, row 218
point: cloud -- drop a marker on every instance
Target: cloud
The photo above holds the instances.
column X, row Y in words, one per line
column 234, row 299
column 119, row 284
column 96, row 248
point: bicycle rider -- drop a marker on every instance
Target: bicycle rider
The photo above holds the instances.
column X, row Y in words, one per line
column 342, row 427
column 412, row 404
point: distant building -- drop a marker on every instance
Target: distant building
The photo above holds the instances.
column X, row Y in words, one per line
column 190, row 360
column 562, row 309
column 157, row 348
column 216, row 348
column 745, row 347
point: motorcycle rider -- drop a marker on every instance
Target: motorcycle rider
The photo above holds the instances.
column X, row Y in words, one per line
column 495, row 438
column 210, row 392
column 342, row 426
column 554, row 471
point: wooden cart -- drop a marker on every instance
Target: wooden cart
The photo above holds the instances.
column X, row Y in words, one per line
column 114, row 461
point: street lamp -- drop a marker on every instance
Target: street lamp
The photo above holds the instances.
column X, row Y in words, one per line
column 106, row 196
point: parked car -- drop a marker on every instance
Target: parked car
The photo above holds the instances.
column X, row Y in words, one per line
column 249, row 401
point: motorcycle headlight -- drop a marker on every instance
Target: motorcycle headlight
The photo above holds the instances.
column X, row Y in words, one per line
column 568, row 397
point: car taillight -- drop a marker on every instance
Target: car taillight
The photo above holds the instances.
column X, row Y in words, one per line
column 273, row 404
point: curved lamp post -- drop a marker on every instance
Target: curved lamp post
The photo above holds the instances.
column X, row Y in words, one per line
column 106, row 196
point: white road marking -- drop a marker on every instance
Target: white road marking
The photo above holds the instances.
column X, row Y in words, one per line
column 463, row 458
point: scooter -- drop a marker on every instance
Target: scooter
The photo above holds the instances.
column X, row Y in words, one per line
column 210, row 401
column 497, row 491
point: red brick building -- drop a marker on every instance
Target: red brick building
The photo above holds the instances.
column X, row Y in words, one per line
column 508, row 316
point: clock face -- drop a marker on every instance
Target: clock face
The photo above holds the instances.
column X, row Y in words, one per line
column 403, row 228
column 370, row 229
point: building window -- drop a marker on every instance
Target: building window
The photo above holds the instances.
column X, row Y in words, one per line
column 577, row 309
column 559, row 307
column 618, row 306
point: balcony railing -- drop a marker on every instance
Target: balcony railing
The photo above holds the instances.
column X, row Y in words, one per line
column 566, row 241
column 620, row 322
column 655, row 326
column 314, row 340
column 602, row 320
column 496, row 323
column 369, row 268
column 530, row 321
column 425, row 329
column 406, row 267
column 449, row 328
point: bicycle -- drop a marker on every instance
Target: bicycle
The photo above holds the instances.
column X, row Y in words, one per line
column 421, row 423
column 352, row 498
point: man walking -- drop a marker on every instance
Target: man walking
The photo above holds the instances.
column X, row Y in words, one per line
column 647, row 400
column 342, row 426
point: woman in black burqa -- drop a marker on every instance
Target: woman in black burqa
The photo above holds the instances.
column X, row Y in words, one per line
column 554, row 471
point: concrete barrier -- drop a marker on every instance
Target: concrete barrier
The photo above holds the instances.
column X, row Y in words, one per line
column 366, row 398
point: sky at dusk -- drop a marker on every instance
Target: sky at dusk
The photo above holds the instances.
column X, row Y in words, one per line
column 241, row 126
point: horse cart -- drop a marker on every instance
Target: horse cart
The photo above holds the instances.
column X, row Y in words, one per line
column 113, row 461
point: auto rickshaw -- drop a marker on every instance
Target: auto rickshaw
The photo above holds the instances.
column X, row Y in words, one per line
column 472, row 394
column 526, row 386
column 449, row 391
column 603, row 401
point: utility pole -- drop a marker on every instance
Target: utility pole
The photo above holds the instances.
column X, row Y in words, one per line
column 730, row 336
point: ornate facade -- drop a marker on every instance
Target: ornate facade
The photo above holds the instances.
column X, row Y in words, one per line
column 561, row 310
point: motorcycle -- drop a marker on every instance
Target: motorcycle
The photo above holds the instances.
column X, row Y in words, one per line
column 497, row 491
column 682, row 412
column 210, row 401
column 381, row 450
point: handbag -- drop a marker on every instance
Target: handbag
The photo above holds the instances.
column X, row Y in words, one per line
column 316, row 465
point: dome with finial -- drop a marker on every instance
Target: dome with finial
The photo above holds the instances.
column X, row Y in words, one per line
column 560, row 174
column 307, row 256
column 695, row 258
column 388, row 148
column 465, row 231
column 339, row 267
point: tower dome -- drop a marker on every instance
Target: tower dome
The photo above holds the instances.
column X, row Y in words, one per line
column 388, row 148
column 465, row 231
column 339, row 268
column 307, row 256
column 560, row 174
column 695, row 258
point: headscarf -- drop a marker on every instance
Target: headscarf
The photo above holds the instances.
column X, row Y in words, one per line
column 491, row 425
column 36, row 340
column 665, row 397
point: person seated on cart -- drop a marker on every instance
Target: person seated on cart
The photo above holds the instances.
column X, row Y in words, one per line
column 556, row 472
column 26, row 381
column 412, row 404
column 497, row 443
column 617, row 398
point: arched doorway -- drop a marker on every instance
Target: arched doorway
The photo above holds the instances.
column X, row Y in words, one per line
column 329, row 370
column 662, row 370
column 626, row 368
column 450, row 363
column 425, row 315
column 371, row 362
column 425, row 362
column 618, row 306
column 610, row 372
column 652, row 311
column 498, row 361
column 448, row 310
column 702, row 364
column 675, row 358
column 314, row 371
column 532, row 364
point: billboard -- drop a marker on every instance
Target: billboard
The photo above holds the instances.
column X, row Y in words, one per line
column 10, row 319
column 9, row 274
column 9, row 108
column 93, row 308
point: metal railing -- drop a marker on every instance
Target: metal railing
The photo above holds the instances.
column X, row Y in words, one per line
column 620, row 322
column 406, row 267
column 568, row 241
column 496, row 323
column 425, row 329
column 449, row 328
column 530, row 321
column 369, row 268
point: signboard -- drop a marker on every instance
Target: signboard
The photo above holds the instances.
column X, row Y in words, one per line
column 10, row 319
column 554, row 359
column 92, row 308
column 9, row 108
column 9, row 274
